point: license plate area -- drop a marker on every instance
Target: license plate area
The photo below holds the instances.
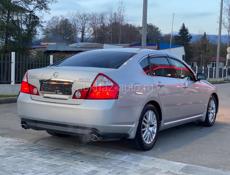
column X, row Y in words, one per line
column 56, row 87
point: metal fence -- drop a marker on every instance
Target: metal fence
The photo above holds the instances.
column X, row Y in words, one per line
column 13, row 66
column 210, row 72
column 23, row 63
column 5, row 69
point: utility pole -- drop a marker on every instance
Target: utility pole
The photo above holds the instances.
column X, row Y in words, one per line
column 144, row 23
column 171, row 38
column 219, row 39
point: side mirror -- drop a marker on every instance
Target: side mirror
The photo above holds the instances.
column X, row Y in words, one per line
column 200, row 76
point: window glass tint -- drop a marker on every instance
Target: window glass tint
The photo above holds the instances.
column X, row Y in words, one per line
column 159, row 67
column 177, row 63
column 159, row 61
column 145, row 65
column 98, row 58
column 181, row 71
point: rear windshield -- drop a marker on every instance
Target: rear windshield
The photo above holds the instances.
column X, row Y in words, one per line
column 100, row 59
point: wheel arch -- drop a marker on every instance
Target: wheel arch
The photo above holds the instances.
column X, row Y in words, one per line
column 217, row 99
column 158, row 107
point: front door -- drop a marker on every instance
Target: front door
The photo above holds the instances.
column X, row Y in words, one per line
column 191, row 98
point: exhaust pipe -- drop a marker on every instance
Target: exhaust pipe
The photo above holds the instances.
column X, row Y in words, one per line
column 24, row 125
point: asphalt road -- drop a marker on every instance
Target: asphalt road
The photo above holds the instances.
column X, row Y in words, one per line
column 189, row 144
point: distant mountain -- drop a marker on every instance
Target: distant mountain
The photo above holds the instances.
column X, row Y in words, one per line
column 212, row 38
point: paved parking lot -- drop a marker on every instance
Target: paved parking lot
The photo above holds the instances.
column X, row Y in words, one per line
column 200, row 150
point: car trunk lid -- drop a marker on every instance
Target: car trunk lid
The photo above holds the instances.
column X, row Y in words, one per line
column 58, row 84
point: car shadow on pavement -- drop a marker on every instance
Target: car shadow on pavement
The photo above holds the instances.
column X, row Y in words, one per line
column 168, row 141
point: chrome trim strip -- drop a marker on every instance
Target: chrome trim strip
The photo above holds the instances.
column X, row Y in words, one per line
column 157, row 55
column 139, row 93
column 57, row 96
column 59, row 79
column 185, row 119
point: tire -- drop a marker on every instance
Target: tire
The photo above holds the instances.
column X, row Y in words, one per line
column 147, row 130
column 56, row 134
column 211, row 112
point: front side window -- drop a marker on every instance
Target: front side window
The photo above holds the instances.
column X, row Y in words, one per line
column 181, row 71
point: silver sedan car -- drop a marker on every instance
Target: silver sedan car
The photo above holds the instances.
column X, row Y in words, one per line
column 116, row 93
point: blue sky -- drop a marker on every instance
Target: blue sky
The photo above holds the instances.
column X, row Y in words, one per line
column 199, row 15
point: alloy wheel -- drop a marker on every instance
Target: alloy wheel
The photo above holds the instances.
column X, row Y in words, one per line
column 149, row 127
column 212, row 110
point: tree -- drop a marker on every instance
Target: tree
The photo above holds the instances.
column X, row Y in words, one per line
column 116, row 21
column 99, row 27
column 121, row 19
column 19, row 22
column 60, row 29
column 81, row 22
column 130, row 34
column 202, row 51
column 121, row 33
column 94, row 24
column 153, row 34
column 183, row 39
column 166, row 38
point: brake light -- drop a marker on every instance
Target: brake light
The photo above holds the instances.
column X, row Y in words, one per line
column 28, row 88
column 102, row 88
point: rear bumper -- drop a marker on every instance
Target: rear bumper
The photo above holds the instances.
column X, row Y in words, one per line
column 91, row 133
column 104, row 116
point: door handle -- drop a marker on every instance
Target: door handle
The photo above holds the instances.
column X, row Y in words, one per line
column 160, row 84
column 185, row 85
column 138, row 89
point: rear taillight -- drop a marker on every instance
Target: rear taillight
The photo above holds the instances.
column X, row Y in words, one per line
column 81, row 93
column 102, row 88
column 28, row 88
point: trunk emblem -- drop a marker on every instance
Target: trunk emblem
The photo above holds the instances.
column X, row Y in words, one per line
column 55, row 74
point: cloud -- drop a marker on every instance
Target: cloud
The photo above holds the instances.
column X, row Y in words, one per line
column 62, row 7
column 197, row 14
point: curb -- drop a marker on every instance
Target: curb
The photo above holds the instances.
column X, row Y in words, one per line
column 8, row 100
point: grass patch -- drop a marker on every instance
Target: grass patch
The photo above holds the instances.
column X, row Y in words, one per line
column 219, row 82
column 7, row 96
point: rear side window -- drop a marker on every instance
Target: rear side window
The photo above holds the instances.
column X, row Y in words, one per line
column 145, row 65
column 158, row 66
column 99, row 59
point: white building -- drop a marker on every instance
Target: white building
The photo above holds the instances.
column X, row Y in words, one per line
column 178, row 52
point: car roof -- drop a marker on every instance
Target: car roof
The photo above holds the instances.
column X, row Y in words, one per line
column 134, row 50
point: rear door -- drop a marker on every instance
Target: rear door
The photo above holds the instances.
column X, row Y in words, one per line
column 167, row 86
